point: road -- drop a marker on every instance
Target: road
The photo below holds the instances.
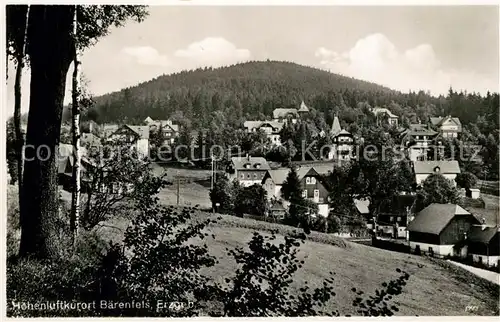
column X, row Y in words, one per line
column 487, row 275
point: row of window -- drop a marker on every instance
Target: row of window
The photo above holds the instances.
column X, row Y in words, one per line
column 310, row 180
column 316, row 193
column 255, row 176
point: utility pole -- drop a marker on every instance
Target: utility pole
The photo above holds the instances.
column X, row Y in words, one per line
column 178, row 190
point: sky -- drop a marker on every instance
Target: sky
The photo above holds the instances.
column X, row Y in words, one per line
column 406, row 48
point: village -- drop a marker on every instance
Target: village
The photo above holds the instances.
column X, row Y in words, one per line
column 442, row 230
column 251, row 161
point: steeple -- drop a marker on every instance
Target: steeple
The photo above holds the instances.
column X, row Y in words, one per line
column 336, row 126
column 303, row 107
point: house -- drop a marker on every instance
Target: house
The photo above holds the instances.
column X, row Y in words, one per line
column 314, row 189
column 272, row 129
column 285, row 115
column 247, row 170
column 394, row 216
column 449, row 127
column 418, row 141
column 137, row 135
column 382, row 112
column 273, row 181
column 483, row 244
column 169, row 130
column 303, row 110
column 438, row 228
column 422, row 169
column 362, row 206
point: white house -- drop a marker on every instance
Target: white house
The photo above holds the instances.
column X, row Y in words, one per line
column 380, row 112
column 285, row 115
column 449, row 126
column 422, row 169
column 138, row 136
column 270, row 128
column 247, row 170
column 273, row 181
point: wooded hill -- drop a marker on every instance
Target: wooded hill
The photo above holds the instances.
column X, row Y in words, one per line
column 252, row 90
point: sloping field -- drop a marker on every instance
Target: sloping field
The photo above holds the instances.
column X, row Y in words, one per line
column 434, row 288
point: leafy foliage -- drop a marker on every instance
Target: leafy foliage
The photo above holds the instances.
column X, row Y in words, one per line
column 437, row 189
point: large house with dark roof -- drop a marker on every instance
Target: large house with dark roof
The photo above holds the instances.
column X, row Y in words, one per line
column 448, row 169
column 314, row 189
column 247, row 170
column 169, row 130
column 136, row 135
column 285, row 115
column 439, row 228
column 385, row 113
column 273, row 181
column 449, row 127
column 270, row 128
column 483, row 244
column 418, row 141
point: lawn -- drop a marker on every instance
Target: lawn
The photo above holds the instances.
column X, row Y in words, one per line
column 433, row 289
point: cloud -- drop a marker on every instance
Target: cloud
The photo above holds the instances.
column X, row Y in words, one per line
column 376, row 59
column 212, row 51
column 146, row 55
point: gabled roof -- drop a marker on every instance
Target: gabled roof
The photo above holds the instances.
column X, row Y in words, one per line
column 277, row 175
column 383, row 110
column 239, row 163
column 478, row 234
column 283, row 112
column 362, row 205
column 277, row 126
column 435, row 217
column 303, row 107
column 141, row 131
column 148, row 120
column 491, row 216
column 343, row 132
column 335, row 126
column 441, row 119
column 428, row 167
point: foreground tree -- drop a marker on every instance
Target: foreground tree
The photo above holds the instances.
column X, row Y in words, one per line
column 75, row 196
column 50, row 47
column 466, row 180
column 437, row 189
column 17, row 30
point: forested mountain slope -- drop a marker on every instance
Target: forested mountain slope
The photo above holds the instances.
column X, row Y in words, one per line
column 252, row 90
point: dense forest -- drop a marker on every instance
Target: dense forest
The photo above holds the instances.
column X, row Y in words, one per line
column 252, row 90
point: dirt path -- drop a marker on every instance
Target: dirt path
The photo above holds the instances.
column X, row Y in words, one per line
column 487, row 275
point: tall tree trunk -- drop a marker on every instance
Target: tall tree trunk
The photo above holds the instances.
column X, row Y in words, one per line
column 51, row 52
column 75, row 198
column 17, row 105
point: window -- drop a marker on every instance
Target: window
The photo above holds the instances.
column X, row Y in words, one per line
column 308, row 180
column 316, row 194
column 313, row 180
column 248, row 176
column 242, row 176
column 391, row 219
column 255, row 175
column 304, row 194
column 399, row 219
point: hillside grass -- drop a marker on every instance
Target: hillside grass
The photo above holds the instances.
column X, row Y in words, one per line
column 434, row 288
